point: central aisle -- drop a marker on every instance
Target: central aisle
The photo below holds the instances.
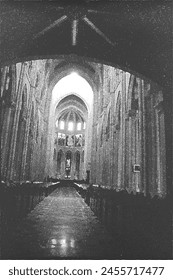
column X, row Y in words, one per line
column 62, row 226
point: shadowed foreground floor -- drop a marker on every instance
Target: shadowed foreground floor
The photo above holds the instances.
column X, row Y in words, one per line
column 62, row 226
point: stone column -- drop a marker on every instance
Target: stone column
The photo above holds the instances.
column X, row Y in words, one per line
column 144, row 162
column 26, row 138
column 121, row 142
column 5, row 140
column 168, row 114
column 140, row 131
column 153, row 186
column 111, row 151
column 123, row 114
column 15, row 124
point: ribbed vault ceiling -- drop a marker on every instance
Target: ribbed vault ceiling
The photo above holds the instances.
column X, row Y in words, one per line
column 71, row 102
column 72, row 98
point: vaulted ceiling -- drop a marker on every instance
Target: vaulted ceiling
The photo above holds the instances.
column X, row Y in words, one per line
column 74, row 103
column 135, row 35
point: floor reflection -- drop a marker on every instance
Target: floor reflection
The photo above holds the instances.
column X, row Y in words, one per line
column 61, row 226
column 62, row 246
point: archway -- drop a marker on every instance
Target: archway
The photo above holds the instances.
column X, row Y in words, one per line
column 71, row 104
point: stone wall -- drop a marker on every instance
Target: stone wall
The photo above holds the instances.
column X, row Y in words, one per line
column 23, row 135
column 128, row 150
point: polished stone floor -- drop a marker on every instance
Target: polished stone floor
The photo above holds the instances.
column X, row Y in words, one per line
column 62, row 226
